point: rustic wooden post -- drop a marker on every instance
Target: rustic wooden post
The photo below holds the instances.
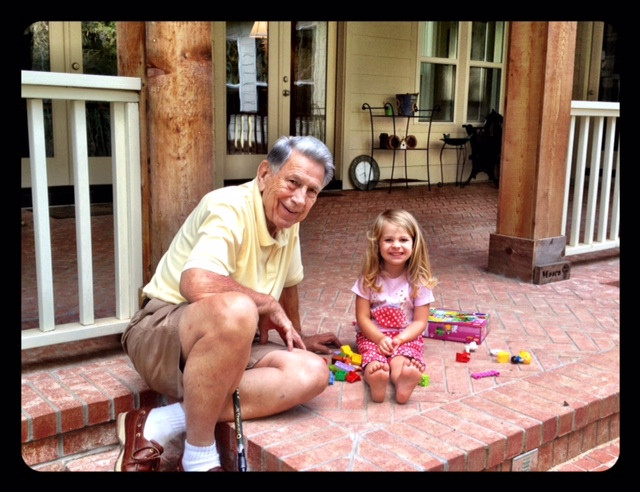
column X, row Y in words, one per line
column 178, row 94
column 180, row 124
column 527, row 243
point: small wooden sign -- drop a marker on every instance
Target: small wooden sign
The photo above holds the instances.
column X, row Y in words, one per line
column 552, row 272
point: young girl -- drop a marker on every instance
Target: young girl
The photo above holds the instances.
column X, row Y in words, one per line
column 393, row 294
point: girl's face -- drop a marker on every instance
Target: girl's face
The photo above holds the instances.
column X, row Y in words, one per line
column 395, row 245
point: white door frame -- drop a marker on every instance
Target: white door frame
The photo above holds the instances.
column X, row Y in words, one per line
column 241, row 167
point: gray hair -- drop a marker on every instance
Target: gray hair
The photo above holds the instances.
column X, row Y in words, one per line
column 308, row 146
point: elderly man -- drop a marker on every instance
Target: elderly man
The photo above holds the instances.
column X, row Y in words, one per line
column 228, row 278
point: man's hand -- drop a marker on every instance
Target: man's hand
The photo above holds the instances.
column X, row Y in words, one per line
column 276, row 319
column 322, row 343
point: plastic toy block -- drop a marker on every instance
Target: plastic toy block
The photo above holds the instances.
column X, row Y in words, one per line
column 525, row 356
column 424, row 381
column 503, row 357
column 463, row 357
column 346, row 349
column 340, row 358
column 344, row 367
column 486, row 374
column 341, row 375
column 356, row 359
column 352, row 377
column 471, row 347
column 332, row 378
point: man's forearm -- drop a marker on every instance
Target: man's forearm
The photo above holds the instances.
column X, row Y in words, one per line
column 290, row 303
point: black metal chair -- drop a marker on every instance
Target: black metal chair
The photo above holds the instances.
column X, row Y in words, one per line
column 486, row 147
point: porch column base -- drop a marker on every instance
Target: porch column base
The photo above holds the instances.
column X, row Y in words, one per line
column 538, row 261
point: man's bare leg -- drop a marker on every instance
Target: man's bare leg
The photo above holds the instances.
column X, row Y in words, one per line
column 216, row 335
column 278, row 382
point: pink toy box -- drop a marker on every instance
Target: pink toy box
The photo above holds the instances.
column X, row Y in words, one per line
column 457, row 326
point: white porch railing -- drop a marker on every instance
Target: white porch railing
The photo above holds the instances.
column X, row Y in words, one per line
column 593, row 169
column 123, row 94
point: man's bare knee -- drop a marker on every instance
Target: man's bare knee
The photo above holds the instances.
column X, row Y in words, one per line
column 233, row 309
column 230, row 316
column 309, row 370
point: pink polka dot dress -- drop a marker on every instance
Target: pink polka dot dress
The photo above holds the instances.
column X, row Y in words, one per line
column 391, row 312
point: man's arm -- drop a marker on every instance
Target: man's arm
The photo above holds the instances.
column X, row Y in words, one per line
column 196, row 284
column 291, row 305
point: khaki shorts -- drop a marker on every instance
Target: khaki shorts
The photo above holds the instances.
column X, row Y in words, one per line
column 152, row 343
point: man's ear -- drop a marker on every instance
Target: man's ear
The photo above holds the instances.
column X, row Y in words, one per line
column 264, row 171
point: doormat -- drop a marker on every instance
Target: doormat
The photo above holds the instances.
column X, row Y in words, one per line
column 69, row 211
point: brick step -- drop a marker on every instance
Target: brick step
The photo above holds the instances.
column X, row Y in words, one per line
column 102, row 461
column 103, row 458
column 85, row 450
column 599, row 458
column 69, row 412
column 71, row 396
column 95, row 447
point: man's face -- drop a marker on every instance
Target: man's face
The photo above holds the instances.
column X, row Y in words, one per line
column 289, row 195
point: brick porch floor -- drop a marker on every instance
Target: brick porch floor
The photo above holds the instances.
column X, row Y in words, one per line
column 566, row 402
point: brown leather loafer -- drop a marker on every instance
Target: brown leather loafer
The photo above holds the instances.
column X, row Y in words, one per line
column 214, row 469
column 137, row 454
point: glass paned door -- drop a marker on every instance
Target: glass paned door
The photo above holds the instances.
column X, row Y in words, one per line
column 275, row 83
column 71, row 47
column 308, row 79
column 247, row 69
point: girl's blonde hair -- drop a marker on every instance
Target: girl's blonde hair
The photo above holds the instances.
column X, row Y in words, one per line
column 418, row 267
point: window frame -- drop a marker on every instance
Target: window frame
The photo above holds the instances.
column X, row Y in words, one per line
column 463, row 65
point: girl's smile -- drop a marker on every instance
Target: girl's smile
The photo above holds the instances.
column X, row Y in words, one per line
column 396, row 246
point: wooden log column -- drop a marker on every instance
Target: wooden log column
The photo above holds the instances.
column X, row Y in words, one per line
column 527, row 243
column 180, row 124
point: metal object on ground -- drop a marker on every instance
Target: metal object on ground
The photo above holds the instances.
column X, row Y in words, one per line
column 242, row 459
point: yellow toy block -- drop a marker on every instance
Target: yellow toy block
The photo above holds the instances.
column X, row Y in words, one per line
column 503, row 357
column 356, row 359
column 525, row 356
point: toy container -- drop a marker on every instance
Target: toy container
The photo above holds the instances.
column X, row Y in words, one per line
column 457, row 326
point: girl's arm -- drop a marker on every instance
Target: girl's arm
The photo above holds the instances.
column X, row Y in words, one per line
column 416, row 328
column 369, row 329
column 363, row 317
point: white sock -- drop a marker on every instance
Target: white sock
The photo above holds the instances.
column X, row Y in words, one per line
column 200, row 458
column 164, row 423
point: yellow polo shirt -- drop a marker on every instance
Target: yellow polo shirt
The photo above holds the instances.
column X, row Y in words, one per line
column 227, row 234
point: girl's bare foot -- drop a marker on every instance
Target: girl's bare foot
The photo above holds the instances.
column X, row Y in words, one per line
column 376, row 374
column 405, row 377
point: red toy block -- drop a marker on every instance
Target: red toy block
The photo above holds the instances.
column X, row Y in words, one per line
column 463, row 357
column 352, row 377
